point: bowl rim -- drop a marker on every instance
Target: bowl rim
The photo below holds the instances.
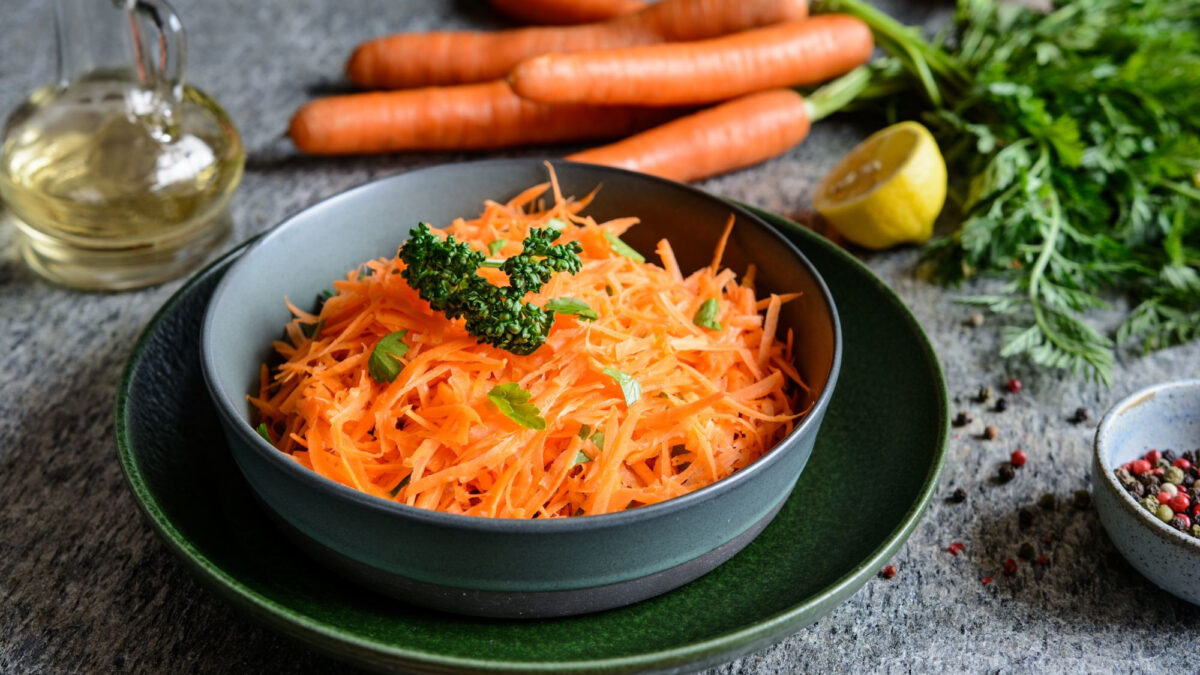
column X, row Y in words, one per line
column 473, row 523
column 1100, row 447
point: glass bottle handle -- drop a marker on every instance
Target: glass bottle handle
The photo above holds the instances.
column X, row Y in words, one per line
column 167, row 69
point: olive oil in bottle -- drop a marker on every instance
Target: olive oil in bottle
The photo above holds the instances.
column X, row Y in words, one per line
column 118, row 177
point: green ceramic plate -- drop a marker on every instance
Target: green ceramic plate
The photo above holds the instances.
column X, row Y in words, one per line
column 810, row 559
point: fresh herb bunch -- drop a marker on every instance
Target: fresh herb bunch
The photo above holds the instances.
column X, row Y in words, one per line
column 1079, row 133
column 444, row 273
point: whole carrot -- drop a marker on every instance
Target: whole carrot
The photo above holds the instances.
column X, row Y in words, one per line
column 729, row 136
column 421, row 59
column 564, row 12
column 467, row 117
column 683, row 73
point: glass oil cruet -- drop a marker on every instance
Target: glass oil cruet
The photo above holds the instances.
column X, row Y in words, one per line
column 119, row 175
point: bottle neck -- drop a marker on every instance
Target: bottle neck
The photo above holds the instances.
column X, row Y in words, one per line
column 138, row 40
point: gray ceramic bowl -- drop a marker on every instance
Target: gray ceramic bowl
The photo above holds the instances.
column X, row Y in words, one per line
column 1162, row 417
column 497, row 567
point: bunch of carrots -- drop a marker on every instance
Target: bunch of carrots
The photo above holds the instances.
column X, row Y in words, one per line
column 690, row 88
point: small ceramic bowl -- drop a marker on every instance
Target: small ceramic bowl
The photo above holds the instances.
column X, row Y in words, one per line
column 505, row 567
column 1162, row 417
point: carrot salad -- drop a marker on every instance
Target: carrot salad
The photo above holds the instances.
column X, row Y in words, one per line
column 678, row 381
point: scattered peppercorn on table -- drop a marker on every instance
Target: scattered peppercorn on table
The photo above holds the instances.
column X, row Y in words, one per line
column 1009, row 569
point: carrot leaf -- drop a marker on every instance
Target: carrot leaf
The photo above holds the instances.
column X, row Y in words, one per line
column 630, row 387
column 264, row 432
column 621, row 248
column 572, row 306
column 384, row 364
column 513, row 402
column 706, row 316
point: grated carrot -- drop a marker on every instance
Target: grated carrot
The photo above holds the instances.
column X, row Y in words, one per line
column 712, row 401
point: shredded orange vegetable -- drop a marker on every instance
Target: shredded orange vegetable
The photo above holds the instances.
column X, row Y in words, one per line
column 712, row 401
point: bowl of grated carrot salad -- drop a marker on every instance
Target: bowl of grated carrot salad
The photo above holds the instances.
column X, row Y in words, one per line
column 516, row 388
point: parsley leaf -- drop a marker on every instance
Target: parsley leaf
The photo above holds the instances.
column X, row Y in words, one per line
column 581, row 457
column 513, row 402
column 706, row 316
column 495, row 246
column 384, row 364
column 400, row 486
column 264, row 432
column 572, row 306
column 312, row 330
column 621, row 248
column 630, row 387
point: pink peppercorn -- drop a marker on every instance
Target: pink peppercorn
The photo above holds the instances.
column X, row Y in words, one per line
column 1182, row 464
column 986, row 580
column 1139, row 466
column 889, row 571
column 1010, row 567
column 1159, row 471
column 1179, row 503
column 1018, row 458
column 1187, row 522
column 956, row 548
column 1163, row 497
column 1041, row 560
column 1153, row 456
column 1014, row 385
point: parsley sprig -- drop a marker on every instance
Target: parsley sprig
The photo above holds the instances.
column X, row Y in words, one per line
column 1078, row 134
column 444, row 273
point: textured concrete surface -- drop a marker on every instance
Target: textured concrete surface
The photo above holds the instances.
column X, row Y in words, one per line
column 85, row 586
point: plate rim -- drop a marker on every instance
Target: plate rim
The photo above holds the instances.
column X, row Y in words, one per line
column 365, row 651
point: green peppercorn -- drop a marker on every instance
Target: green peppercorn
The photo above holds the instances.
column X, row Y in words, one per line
column 1173, row 475
column 1164, row 513
column 1048, row 501
column 1196, row 530
column 1083, row 499
column 1150, row 503
column 1161, row 463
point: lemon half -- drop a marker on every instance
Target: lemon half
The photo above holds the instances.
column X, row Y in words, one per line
column 888, row 190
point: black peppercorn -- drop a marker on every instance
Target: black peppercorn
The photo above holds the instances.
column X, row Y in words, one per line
column 959, row 496
column 962, row 419
column 1137, row 489
column 1169, row 455
column 1124, row 477
column 1179, row 523
column 1006, row 472
column 1026, row 551
column 1081, row 415
column 1001, row 404
column 1024, row 518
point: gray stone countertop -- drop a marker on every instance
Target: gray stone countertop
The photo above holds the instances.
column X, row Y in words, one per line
column 86, row 586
